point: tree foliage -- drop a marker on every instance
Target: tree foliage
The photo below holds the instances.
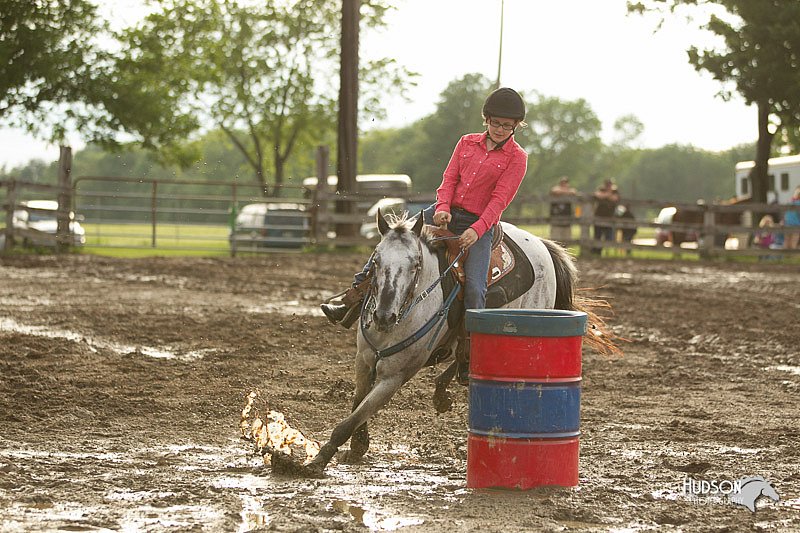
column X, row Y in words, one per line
column 563, row 138
column 262, row 72
column 759, row 58
column 50, row 63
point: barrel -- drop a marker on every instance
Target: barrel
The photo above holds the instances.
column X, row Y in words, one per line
column 524, row 397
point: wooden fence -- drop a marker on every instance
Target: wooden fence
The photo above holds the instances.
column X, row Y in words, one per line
column 152, row 203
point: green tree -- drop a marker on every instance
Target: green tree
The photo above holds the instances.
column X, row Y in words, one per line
column 262, row 72
column 563, row 138
column 680, row 173
column 422, row 149
column 615, row 159
column 759, row 60
column 51, row 67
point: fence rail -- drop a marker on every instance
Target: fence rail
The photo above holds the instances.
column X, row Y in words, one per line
column 191, row 215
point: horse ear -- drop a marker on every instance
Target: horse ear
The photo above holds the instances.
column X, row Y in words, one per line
column 383, row 226
column 417, row 229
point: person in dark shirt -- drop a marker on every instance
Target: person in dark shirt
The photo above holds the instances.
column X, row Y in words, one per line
column 561, row 211
column 606, row 198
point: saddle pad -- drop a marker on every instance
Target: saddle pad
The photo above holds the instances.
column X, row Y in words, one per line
column 510, row 273
column 513, row 278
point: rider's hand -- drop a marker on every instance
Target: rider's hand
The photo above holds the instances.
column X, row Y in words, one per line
column 442, row 218
column 468, row 238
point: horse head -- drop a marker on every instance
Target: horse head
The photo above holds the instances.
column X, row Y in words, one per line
column 396, row 266
column 751, row 489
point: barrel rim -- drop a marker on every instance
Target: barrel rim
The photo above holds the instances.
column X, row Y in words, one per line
column 518, row 438
column 525, row 381
column 527, row 322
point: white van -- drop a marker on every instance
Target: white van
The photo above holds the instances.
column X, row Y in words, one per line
column 271, row 225
column 784, row 177
column 40, row 219
column 373, row 185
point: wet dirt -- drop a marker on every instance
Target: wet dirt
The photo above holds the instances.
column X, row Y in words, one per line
column 122, row 383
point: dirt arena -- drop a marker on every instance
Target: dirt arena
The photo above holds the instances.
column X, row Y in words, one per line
column 122, row 382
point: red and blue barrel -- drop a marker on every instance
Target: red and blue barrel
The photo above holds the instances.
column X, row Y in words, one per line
column 524, row 397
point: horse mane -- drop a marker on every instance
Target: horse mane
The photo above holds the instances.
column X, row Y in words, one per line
column 405, row 222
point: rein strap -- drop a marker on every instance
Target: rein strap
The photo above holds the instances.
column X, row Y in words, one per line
column 402, row 345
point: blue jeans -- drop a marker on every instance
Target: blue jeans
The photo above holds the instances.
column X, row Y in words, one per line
column 476, row 266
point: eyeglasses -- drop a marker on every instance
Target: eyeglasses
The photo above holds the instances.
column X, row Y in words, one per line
column 506, row 126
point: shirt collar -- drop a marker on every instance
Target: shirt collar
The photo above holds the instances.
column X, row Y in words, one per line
column 501, row 146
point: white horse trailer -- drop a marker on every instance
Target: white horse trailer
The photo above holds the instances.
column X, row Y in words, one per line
column 784, row 177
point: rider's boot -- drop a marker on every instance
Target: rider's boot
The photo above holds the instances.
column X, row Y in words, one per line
column 347, row 312
column 341, row 314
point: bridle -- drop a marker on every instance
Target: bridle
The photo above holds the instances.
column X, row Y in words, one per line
column 409, row 303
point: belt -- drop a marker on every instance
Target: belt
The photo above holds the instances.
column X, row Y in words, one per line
column 462, row 210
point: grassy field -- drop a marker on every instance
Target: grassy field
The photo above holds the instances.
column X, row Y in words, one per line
column 137, row 240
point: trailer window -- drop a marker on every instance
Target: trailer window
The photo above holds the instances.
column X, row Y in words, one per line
column 744, row 186
column 784, row 181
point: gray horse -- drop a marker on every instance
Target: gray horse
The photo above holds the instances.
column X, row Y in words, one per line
column 404, row 326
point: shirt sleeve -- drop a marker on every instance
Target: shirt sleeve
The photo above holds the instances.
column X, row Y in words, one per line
column 445, row 192
column 504, row 191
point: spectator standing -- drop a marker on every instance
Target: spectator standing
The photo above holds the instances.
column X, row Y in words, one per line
column 606, row 198
column 626, row 232
column 791, row 221
column 561, row 210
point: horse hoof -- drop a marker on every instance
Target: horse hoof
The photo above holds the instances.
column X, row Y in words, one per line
column 314, row 470
column 442, row 402
column 350, row 457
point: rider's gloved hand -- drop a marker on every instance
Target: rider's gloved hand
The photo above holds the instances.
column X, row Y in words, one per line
column 442, row 218
column 468, row 238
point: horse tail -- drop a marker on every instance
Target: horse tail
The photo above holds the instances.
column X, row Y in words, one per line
column 566, row 275
column 598, row 334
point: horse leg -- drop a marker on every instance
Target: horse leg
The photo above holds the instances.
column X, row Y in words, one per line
column 442, row 400
column 359, row 441
column 379, row 396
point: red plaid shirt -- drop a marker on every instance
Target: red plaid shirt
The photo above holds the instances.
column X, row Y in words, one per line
column 480, row 181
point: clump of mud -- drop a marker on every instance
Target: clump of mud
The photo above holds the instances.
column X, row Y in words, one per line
column 284, row 448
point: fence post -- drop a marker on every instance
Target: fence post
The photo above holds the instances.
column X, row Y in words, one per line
column 154, row 212
column 233, row 215
column 585, row 221
column 707, row 249
column 11, row 204
column 319, row 204
column 63, row 230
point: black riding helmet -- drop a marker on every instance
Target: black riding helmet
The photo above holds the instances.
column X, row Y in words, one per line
column 504, row 103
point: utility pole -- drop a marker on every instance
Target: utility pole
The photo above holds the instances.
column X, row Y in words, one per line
column 346, row 162
column 500, row 55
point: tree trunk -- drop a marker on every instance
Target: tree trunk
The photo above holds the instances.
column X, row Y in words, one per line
column 279, row 172
column 759, row 175
column 348, row 111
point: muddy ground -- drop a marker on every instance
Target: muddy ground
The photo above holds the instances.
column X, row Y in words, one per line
column 122, row 381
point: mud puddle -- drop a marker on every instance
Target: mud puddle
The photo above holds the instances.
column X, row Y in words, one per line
column 97, row 344
column 113, row 490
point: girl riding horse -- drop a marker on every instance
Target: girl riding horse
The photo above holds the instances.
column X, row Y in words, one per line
column 483, row 176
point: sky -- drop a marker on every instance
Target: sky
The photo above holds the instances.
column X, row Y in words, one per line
column 570, row 49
